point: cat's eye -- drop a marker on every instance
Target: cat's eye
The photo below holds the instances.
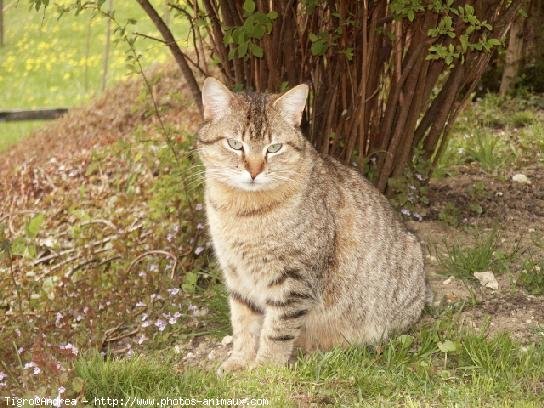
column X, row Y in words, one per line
column 274, row 148
column 235, row 144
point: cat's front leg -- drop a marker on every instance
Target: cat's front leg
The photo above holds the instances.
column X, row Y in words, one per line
column 285, row 317
column 246, row 319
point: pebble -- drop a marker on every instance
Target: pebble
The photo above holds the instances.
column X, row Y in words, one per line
column 226, row 340
column 520, row 178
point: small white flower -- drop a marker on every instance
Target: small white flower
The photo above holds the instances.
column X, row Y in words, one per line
column 32, row 364
column 461, row 150
column 58, row 318
column 141, row 339
column 61, row 390
column 199, row 250
column 140, row 304
column 198, row 207
column 200, row 226
column 37, row 370
column 144, row 316
column 3, row 376
column 161, row 324
column 142, row 274
column 70, row 347
column 153, row 268
column 405, row 212
column 173, row 291
column 19, row 351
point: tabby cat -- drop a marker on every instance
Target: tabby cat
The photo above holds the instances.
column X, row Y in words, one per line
column 312, row 254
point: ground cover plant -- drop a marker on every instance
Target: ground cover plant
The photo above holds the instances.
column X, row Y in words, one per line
column 110, row 287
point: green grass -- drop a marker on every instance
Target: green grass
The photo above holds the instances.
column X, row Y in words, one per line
column 496, row 134
column 58, row 63
column 410, row 370
column 12, row 132
column 463, row 260
column 532, row 276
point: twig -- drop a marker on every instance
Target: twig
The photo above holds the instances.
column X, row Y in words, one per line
column 100, row 221
column 174, row 49
column 155, row 252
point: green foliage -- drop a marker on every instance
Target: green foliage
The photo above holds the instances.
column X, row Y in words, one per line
column 246, row 37
column 409, row 192
column 450, row 214
column 463, row 260
column 23, row 245
column 532, row 276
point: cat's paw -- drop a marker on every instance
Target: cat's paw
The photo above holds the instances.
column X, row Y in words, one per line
column 232, row 364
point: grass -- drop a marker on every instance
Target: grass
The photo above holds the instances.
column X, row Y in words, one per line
column 532, row 276
column 438, row 364
column 495, row 134
column 463, row 260
column 13, row 132
column 58, row 63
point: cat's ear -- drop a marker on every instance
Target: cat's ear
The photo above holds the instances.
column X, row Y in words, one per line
column 216, row 99
column 292, row 103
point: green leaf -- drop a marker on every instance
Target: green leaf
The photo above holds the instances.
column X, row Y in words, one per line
column 406, row 340
column 242, row 49
column 249, row 6
column 319, row 48
column 494, row 42
column 256, row 50
column 18, row 246
column 272, row 15
column 447, row 346
column 34, row 225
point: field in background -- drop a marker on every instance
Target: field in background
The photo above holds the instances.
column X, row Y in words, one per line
column 59, row 63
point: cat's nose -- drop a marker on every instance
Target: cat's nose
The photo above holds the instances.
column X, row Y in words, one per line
column 254, row 167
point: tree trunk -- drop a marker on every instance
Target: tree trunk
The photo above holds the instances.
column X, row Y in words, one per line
column 514, row 56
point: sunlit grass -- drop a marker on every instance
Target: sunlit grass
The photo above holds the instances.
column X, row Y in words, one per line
column 59, row 63
column 12, row 132
column 495, row 134
column 436, row 365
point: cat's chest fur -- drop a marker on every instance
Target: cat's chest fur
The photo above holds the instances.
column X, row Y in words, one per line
column 252, row 250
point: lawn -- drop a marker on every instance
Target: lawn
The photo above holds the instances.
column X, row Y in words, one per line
column 50, row 62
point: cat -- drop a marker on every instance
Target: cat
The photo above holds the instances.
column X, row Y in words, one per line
column 313, row 256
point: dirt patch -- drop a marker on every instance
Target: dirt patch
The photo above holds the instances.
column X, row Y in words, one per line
column 501, row 200
column 519, row 315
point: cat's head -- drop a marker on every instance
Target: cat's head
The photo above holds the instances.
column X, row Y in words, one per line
column 249, row 141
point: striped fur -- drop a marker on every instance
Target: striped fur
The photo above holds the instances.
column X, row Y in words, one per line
column 316, row 257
